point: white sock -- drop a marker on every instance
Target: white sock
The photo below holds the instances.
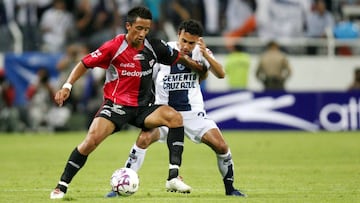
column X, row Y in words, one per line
column 224, row 161
column 136, row 158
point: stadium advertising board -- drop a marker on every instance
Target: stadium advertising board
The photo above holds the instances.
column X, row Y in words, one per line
column 308, row 111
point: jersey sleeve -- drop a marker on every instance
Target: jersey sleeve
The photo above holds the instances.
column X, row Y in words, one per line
column 156, row 70
column 101, row 57
column 165, row 54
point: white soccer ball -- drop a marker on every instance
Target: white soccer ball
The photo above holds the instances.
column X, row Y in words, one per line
column 124, row 181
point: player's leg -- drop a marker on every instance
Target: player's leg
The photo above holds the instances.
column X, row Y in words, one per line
column 175, row 184
column 214, row 139
column 98, row 131
column 138, row 151
column 167, row 116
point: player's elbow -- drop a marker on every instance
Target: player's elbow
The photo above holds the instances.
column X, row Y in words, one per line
column 218, row 72
column 221, row 75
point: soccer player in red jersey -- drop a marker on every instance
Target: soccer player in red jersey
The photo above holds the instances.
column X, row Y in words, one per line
column 128, row 60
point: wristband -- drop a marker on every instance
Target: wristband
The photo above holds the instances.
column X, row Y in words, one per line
column 67, row 86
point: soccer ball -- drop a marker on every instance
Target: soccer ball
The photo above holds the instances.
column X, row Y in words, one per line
column 124, row 181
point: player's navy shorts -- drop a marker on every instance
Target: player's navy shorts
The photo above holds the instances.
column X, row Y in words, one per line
column 121, row 115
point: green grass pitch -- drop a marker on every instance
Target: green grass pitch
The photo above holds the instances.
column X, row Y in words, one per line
column 269, row 167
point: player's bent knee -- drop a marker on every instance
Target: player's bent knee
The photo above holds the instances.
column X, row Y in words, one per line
column 173, row 118
column 177, row 119
column 222, row 148
column 87, row 146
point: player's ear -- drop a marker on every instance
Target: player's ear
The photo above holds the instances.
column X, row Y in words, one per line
column 179, row 32
column 128, row 25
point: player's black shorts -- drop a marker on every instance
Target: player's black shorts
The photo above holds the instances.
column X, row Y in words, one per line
column 121, row 115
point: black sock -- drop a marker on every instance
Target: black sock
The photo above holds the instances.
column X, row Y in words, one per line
column 173, row 173
column 175, row 143
column 229, row 180
column 63, row 188
column 74, row 164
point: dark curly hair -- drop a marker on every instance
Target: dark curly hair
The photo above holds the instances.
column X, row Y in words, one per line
column 191, row 26
column 138, row 11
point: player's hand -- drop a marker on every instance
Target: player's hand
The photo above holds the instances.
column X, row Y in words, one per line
column 203, row 48
column 61, row 96
column 202, row 45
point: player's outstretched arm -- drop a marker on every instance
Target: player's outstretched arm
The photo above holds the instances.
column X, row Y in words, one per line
column 64, row 93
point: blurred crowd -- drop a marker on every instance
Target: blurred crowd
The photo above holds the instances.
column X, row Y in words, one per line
column 73, row 28
column 50, row 25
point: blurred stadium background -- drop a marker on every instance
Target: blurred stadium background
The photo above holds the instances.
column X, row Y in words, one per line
column 53, row 35
column 284, row 164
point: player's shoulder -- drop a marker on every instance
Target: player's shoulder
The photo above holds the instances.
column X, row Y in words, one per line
column 197, row 54
column 156, row 41
column 115, row 42
column 119, row 38
column 172, row 44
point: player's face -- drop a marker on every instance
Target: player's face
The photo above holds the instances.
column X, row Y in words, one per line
column 137, row 31
column 187, row 42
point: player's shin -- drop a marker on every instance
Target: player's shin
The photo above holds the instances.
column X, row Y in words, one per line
column 75, row 162
column 226, row 168
column 175, row 143
column 136, row 158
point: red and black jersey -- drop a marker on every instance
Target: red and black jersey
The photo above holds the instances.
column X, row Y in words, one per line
column 129, row 70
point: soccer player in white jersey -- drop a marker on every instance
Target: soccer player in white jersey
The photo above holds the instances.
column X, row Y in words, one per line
column 179, row 87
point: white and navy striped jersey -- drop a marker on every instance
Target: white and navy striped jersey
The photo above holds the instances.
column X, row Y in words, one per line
column 178, row 86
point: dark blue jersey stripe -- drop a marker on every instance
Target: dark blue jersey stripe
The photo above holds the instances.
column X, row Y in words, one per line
column 178, row 99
